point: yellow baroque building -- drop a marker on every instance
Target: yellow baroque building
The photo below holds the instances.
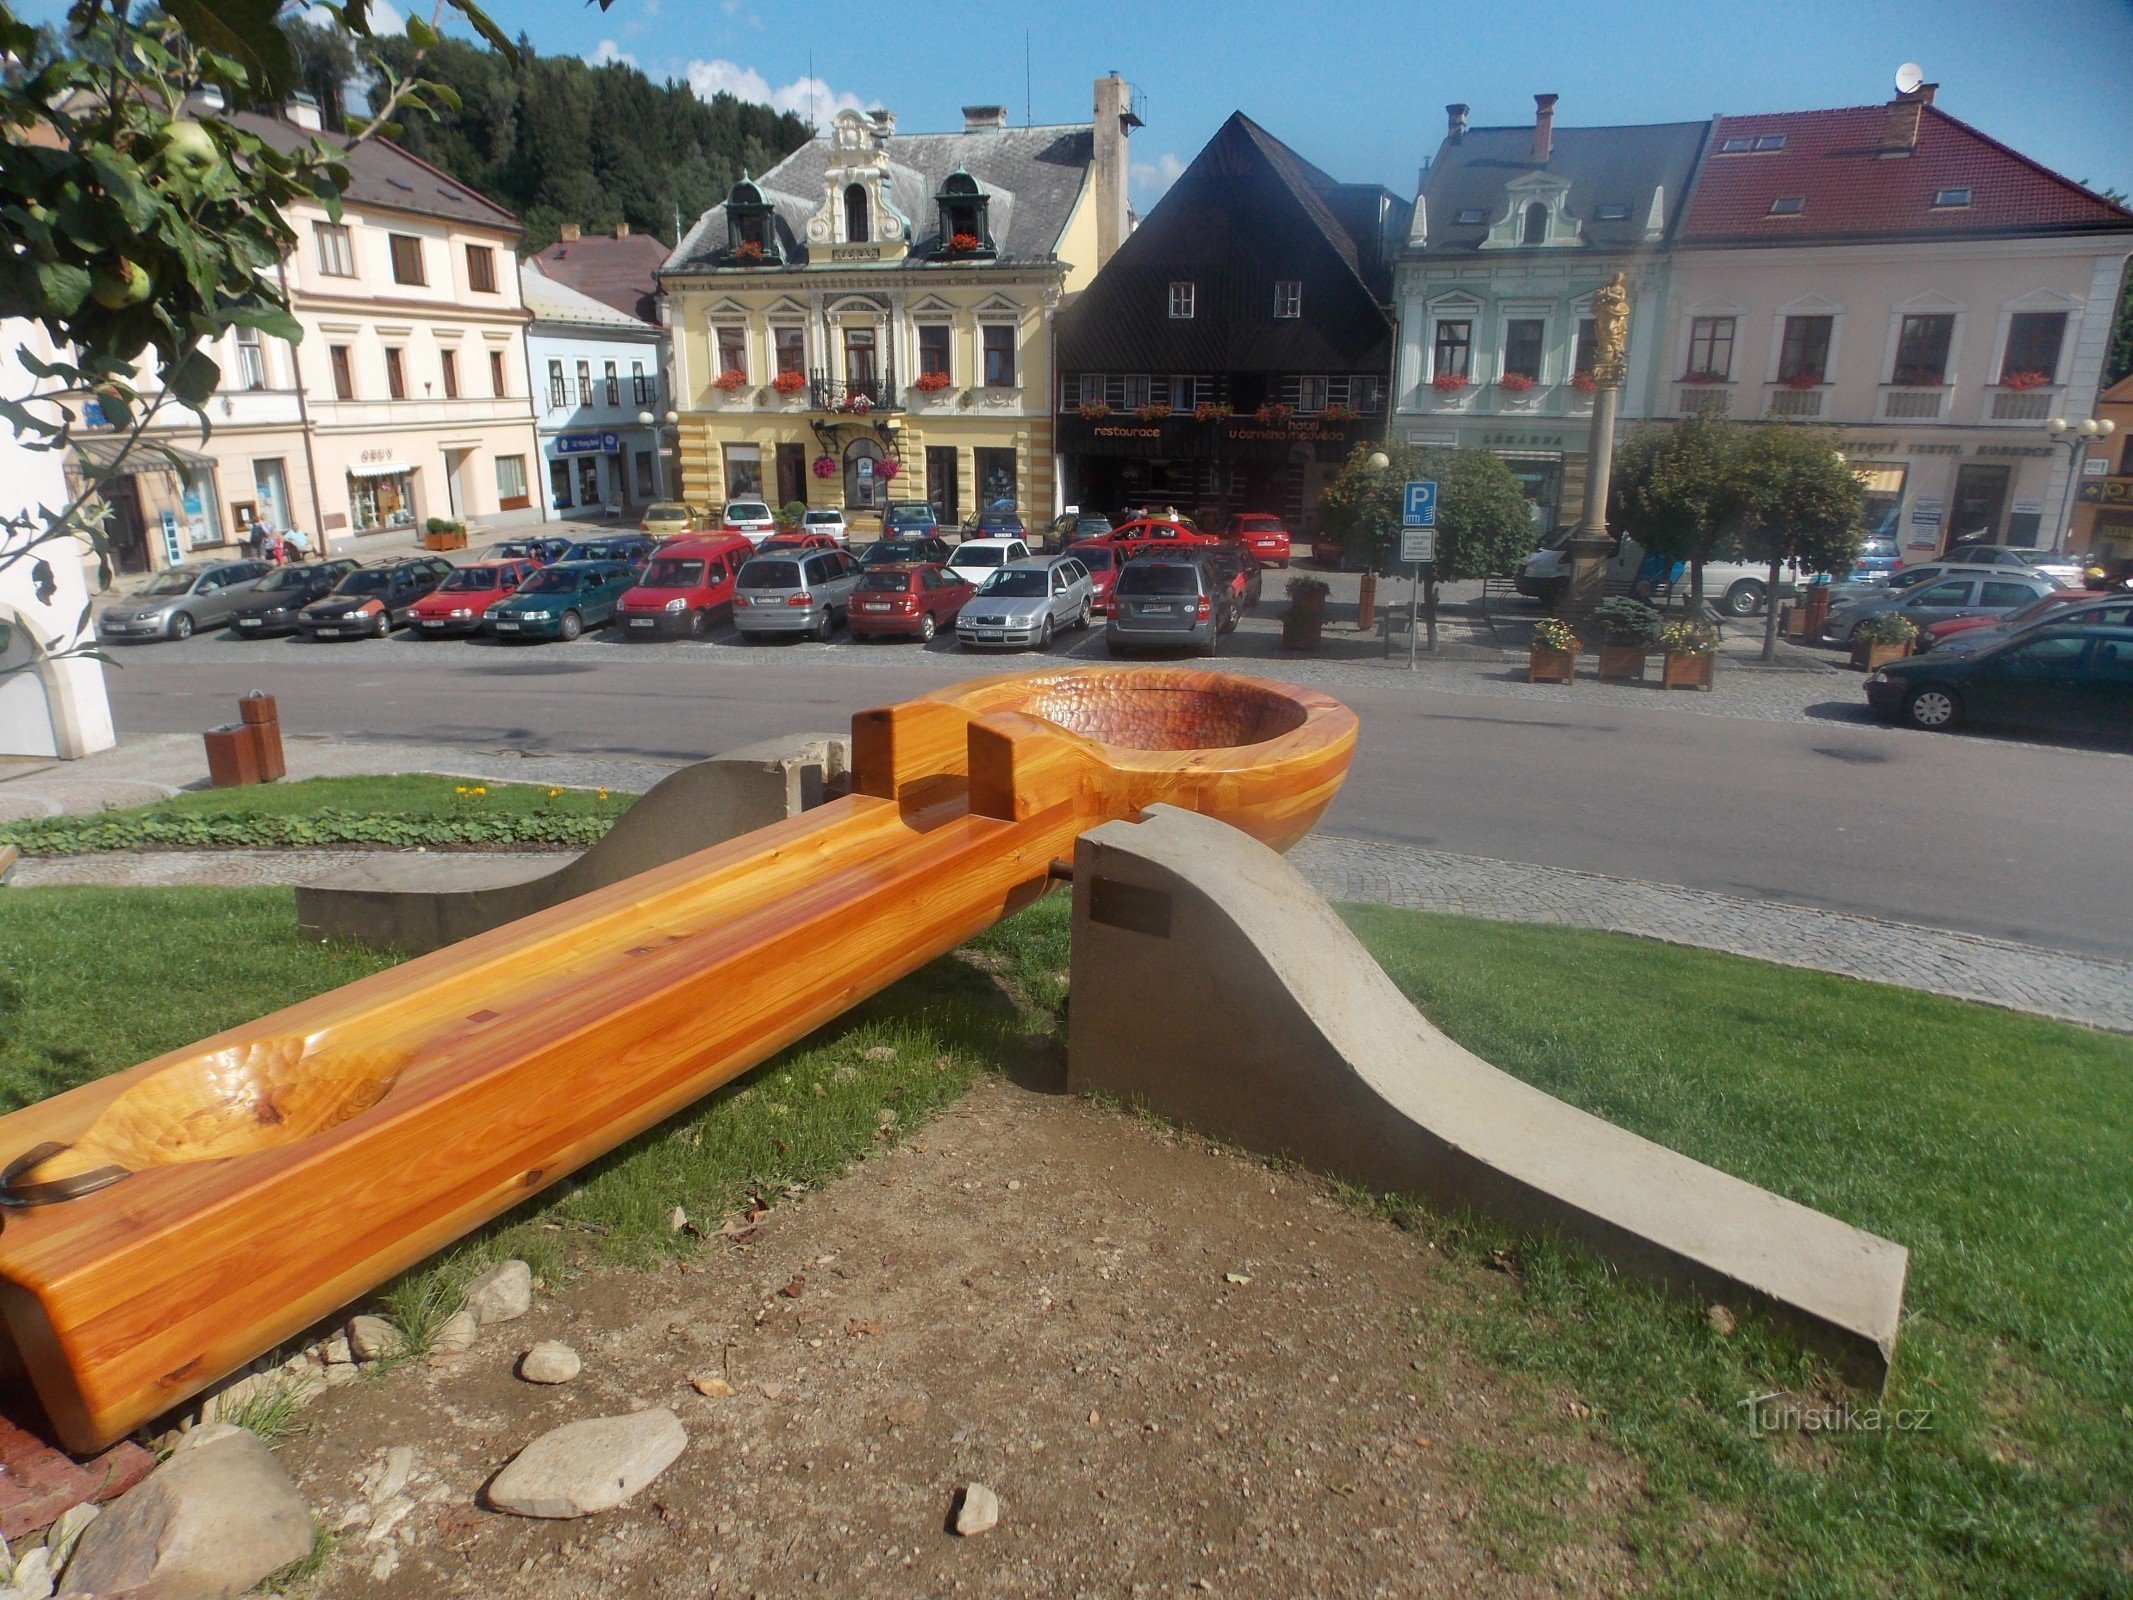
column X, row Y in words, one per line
column 871, row 319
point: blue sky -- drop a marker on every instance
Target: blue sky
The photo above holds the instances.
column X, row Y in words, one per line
column 1360, row 87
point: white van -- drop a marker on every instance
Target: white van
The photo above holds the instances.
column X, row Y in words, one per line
column 1737, row 590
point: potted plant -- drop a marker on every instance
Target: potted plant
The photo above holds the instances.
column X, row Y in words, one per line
column 1306, row 616
column 1273, row 413
column 1211, row 411
column 1553, row 657
column 790, row 513
column 1584, row 382
column 1629, row 629
column 2025, row 380
column 1448, row 382
column 1691, row 652
column 789, row 383
column 1153, row 411
column 931, row 382
column 444, row 533
column 1094, row 410
column 748, row 250
column 732, row 381
column 963, row 244
column 825, row 466
column 1880, row 640
column 1514, row 383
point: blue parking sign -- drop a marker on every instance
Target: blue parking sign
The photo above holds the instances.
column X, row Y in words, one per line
column 1418, row 508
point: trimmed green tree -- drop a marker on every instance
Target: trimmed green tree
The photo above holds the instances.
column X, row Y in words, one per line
column 1676, row 491
column 1483, row 528
column 1798, row 501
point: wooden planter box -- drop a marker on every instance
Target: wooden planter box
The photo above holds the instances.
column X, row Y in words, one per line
column 1686, row 671
column 1623, row 663
column 1551, row 666
column 1792, row 620
column 1300, row 629
column 444, row 541
column 1868, row 654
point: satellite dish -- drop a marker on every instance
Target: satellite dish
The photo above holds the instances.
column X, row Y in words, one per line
column 1909, row 76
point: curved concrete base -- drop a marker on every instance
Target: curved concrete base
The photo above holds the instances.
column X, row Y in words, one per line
column 420, row 903
column 1212, row 985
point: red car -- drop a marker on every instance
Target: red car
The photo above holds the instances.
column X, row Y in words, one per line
column 685, row 588
column 1154, row 533
column 1264, row 534
column 797, row 540
column 1102, row 562
column 456, row 605
column 1941, row 632
column 916, row 600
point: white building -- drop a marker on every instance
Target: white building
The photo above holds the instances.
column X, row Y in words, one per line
column 593, row 371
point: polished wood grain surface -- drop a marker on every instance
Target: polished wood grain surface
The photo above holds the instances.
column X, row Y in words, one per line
column 277, row 1171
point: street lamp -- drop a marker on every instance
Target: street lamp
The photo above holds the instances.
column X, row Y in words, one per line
column 2077, row 437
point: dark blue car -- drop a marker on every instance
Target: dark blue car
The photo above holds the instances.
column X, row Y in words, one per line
column 905, row 518
column 634, row 548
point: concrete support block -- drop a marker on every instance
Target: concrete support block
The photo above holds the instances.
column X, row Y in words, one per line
column 417, row 903
column 1213, row 986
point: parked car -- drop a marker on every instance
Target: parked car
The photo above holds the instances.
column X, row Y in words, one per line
column 180, row 599
column 458, row 604
column 1878, row 557
column 2048, row 562
column 541, row 549
column 1238, row 568
column 1144, row 534
column 750, row 517
column 906, row 550
column 1075, row 527
column 808, row 593
column 685, row 589
column 1025, row 602
column 1972, row 594
column 1737, row 589
column 2069, row 608
column 1262, row 533
column 2056, row 678
column 667, row 519
column 804, row 539
column 1101, row 557
column 826, row 520
column 913, row 600
column 275, row 599
column 634, row 549
column 370, row 602
column 902, row 518
column 1847, row 590
column 562, row 601
column 997, row 522
column 974, row 559
column 1165, row 601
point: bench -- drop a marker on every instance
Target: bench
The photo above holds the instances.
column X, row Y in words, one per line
column 1496, row 597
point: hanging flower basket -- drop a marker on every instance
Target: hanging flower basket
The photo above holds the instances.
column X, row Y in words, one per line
column 931, row 382
column 1584, row 382
column 2025, row 380
column 1514, row 383
column 733, row 378
column 886, row 468
column 1448, row 382
column 1094, row 410
column 825, row 466
column 789, row 382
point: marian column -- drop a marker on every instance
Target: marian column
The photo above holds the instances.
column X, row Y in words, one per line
column 1590, row 547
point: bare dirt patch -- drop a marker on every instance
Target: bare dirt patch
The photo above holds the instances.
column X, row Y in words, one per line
column 1181, row 1372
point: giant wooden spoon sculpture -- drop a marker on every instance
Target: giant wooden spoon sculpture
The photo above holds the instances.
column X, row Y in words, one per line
column 173, row 1221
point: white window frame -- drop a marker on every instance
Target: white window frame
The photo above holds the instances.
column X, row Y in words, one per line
column 1089, row 389
column 251, row 359
column 1288, row 298
column 1513, row 312
column 1313, row 394
column 1184, row 392
column 1184, row 295
column 1930, row 302
column 1139, row 391
column 340, row 261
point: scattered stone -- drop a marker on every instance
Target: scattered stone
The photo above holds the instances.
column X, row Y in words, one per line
column 1235, row 1277
column 502, row 1294
column 771, row 1391
column 550, row 1361
column 710, row 1387
column 389, row 1476
column 677, row 1219
column 1721, row 1320
column 216, row 1517
column 386, row 1565
column 32, row 1578
column 977, row 1512
column 904, row 1410
column 584, row 1467
column 335, row 1352
column 795, row 1287
column 373, row 1338
column 388, row 1517
column 67, row 1532
column 458, row 1334
column 844, row 1075
column 881, row 1052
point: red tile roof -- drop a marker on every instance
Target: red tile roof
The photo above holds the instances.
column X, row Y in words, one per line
column 615, row 272
column 1849, row 189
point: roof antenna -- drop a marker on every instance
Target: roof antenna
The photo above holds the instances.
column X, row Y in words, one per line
column 1029, row 116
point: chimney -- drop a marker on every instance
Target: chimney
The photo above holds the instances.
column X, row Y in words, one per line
column 885, row 126
column 1543, row 127
column 569, row 233
column 622, row 230
column 302, row 111
column 976, row 119
column 1115, row 121
column 1906, row 112
column 1455, row 122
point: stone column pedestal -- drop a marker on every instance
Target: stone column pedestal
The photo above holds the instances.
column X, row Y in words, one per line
column 1590, row 547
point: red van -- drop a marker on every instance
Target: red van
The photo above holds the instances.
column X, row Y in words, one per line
column 685, row 588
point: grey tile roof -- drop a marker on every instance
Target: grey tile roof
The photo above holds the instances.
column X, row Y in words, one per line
column 1618, row 166
column 380, row 173
column 1032, row 176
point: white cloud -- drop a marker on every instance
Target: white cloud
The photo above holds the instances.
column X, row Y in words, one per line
column 709, row 78
column 607, row 52
column 1148, row 180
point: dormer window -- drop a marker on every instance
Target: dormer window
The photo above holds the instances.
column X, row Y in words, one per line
column 858, row 215
column 963, row 221
column 748, row 230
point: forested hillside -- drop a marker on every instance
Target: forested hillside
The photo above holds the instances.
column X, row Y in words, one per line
column 559, row 141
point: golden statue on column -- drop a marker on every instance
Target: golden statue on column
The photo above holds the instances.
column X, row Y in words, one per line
column 1610, row 331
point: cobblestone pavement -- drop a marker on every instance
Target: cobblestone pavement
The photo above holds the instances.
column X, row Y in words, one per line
column 2020, row 977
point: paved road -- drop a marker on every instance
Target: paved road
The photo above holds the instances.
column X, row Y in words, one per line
column 1791, row 797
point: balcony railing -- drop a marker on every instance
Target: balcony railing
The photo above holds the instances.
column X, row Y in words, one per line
column 2021, row 405
column 852, row 394
column 1911, row 404
column 1713, row 398
column 1787, row 401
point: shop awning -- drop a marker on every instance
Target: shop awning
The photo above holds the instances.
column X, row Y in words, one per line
column 146, row 456
column 380, row 469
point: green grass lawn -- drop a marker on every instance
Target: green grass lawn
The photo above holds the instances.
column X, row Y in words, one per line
column 1998, row 1148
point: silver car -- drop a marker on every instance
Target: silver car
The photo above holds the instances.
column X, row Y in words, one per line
column 1167, row 601
column 1025, row 602
column 807, row 592
column 2111, row 611
column 183, row 598
column 1975, row 592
